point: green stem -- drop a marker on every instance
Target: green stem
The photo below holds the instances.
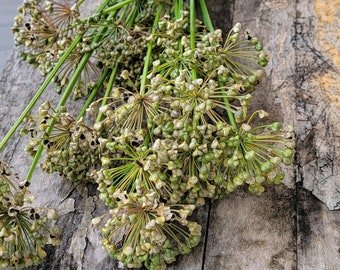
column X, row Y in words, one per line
column 61, row 103
column 149, row 50
column 132, row 16
column 192, row 34
column 206, row 16
column 39, row 92
column 68, row 91
column 147, row 63
column 229, row 112
column 93, row 94
column 117, row 6
column 108, row 89
column 102, row 6
column 80, row 2
column 74, row 79
column 178, row 7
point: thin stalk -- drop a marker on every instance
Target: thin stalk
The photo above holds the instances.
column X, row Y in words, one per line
column 108, row 89
column 206, row 16
column 44, row 85
column 209, row 25
column 149, row 50
column 117, row 6
column 61, row 103
column 93, row 93
column 192, row 34
column 39, row 92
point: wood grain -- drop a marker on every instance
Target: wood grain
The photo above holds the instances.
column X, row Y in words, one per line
column 287, row 227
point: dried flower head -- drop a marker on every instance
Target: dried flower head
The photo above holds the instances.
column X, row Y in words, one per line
column 143, row 231
column 24, row 230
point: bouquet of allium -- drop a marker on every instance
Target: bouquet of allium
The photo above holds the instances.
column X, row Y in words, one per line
column 164, row 124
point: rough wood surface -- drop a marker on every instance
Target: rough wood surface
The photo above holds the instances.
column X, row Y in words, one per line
column 285, row 228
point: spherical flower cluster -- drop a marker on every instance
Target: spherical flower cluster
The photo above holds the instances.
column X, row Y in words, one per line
column 71, row 149
column 256, row 155
column 143, row 231
column 24, row 230
column 46, row 29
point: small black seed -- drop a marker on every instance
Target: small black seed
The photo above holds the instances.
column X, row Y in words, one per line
column 139, row 163
column 135, row 143
column 28, row 26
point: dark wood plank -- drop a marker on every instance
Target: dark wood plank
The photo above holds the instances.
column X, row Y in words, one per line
column 318, row 233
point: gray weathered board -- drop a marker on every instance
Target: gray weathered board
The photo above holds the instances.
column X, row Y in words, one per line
column 290, row 226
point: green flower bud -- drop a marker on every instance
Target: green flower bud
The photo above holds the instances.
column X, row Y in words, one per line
column 193, row 241
column 252, row 79
column 266, row 167
column 133, row 218
column 254, row 40
column 287, row 161
column 240, row 115
column 288, row 153
column 275, row 160
column 218, row 179
column 258, row 46
column 250, row 155
column 276, row 126
column 238, row 181
column 278, row 178
column 256, row 189
column 259, row 179
column 262, row 62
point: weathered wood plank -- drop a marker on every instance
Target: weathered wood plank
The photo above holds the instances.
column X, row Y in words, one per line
column 318, row 234
column 316, row 44
column 285, row 228
column 251, row 232
column 283, row 25
column 317, row 121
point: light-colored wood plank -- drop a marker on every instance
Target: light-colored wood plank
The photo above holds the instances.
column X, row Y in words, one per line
column 246, row 231
column 251, row 232
column 281, row 229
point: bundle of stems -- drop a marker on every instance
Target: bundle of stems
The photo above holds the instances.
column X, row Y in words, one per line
column 164, row 124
